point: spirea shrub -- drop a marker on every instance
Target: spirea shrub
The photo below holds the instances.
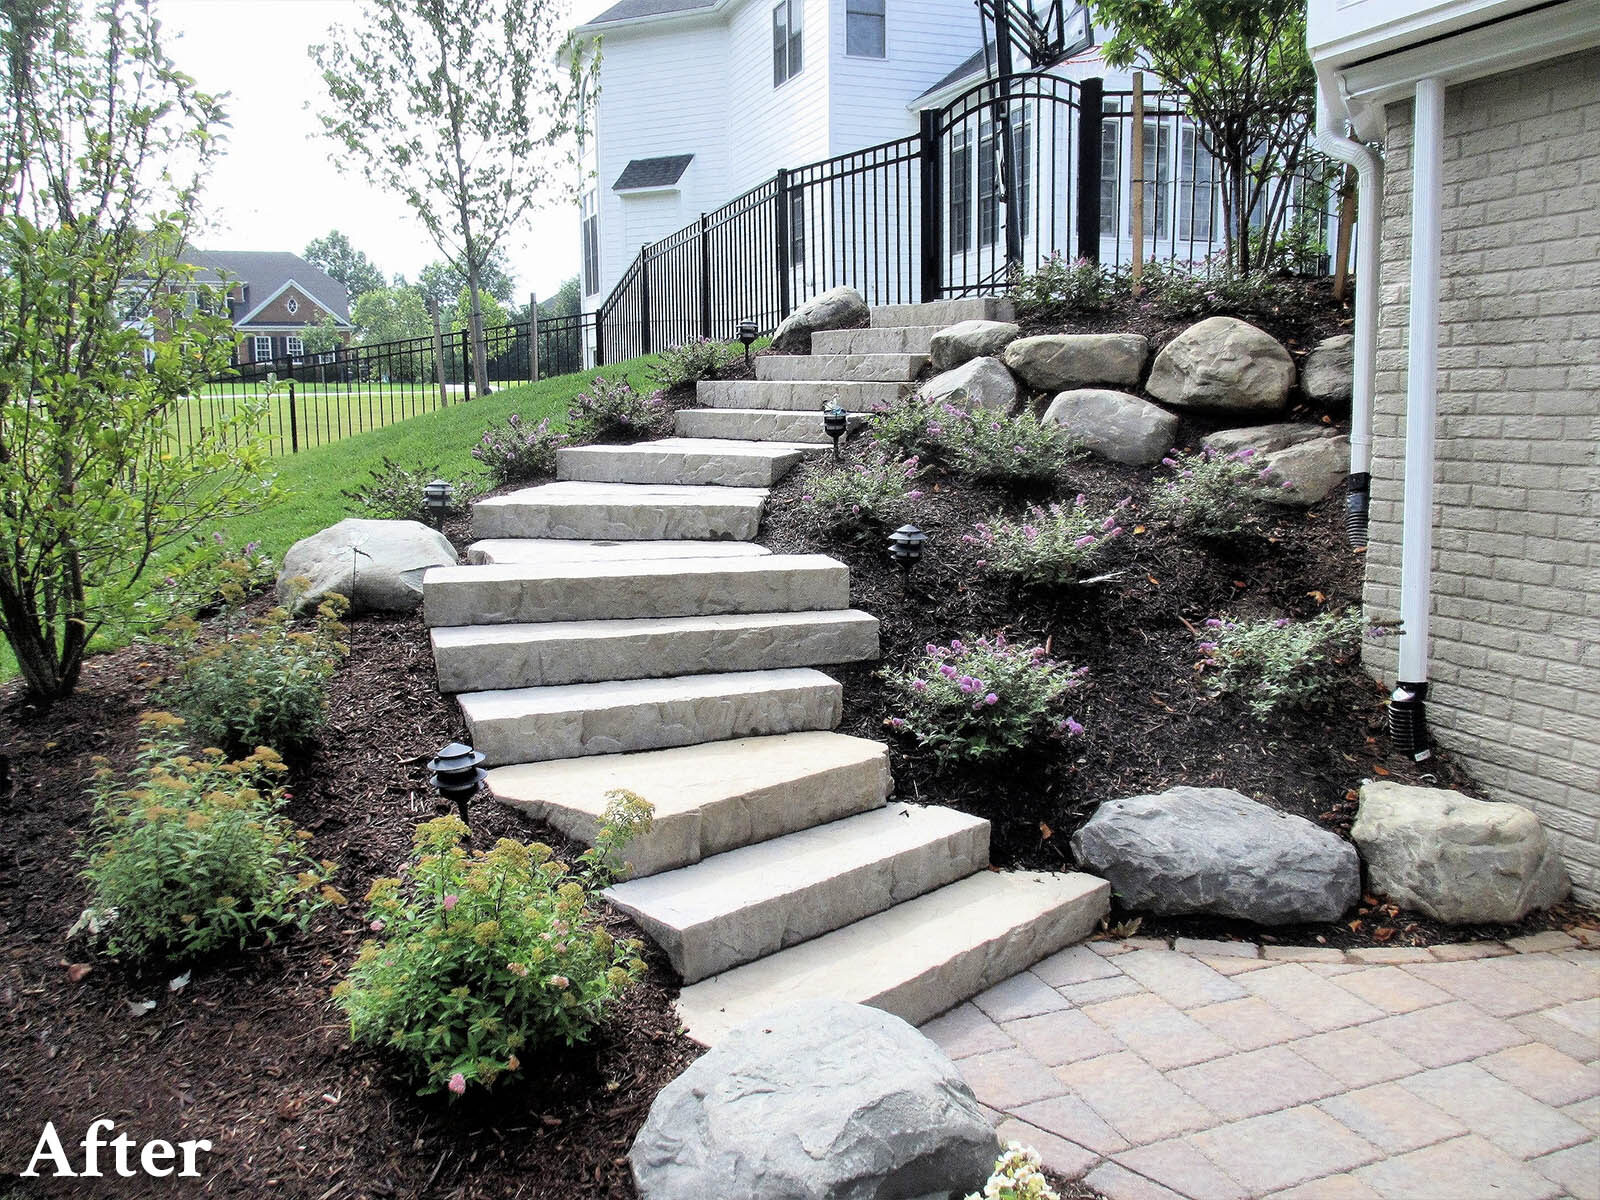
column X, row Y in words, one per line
column 1280, row 663
column 688, row 364
column 1213, row 494
column 190, row 855
column 1014, row 451
column 1054, row 545
column 612, row 411
column 263, row 685
column 480, row 957
column 864, row 494
column 985, row 698
column 1018, row 1175
column 393, row 492
column 517, row 451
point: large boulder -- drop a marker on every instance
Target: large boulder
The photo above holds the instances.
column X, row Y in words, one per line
column 376, row 565
column 1115, row 425
column 1329, row 372
column 965, row 340
column 978, row 383
column 1314, row 458
column 1223, row 364
column 1215, row 851
column 823, row 1100
column 839, row 308
column 1053, row 362
column 1459, row 860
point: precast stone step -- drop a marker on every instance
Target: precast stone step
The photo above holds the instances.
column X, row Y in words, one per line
column 472, row 658
column 575, row 719
column 707, row 798
column 621, row 512
column 792, row 396
column 916, row 959
column 613, row 591
column 759, row 424
column 909, row 339
column 562, row 550
column 858, row 368
column 680, row 460
column 751, row 902
column 941, row 313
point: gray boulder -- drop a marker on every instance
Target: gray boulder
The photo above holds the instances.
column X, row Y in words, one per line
column 1459, row 860
column 1115, row 425
column 823, row 1100
column 1053, row 362
column 839, row 308
column 1213, row 850
column 1315, row 458
column 1329, row 372
column 376, row 565
column 1223, row 364
column 967, row 340
column 978, row 383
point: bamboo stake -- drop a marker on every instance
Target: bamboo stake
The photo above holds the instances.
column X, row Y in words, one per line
column 1136, row 179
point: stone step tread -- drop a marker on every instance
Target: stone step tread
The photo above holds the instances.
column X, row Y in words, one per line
column 902, row 339
column 579, row 509
column 753, row 901
column 798, row 395
column 761, row 424
column 536, row 724
column 708, row 798
column 859, row 368
column 537, row 654
column 504, row 551
column 916, row 959
column 720, row 462
column 941, row 312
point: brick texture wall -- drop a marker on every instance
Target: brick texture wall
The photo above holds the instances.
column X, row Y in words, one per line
column 1516, row 570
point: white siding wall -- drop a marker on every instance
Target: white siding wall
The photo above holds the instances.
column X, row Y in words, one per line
column 772, row 127
column 870, row 98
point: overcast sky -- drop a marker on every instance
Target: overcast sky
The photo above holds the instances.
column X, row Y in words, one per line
column 277, row 187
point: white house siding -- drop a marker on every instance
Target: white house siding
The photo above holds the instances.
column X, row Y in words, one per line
column 771, row 127
column 870, row 99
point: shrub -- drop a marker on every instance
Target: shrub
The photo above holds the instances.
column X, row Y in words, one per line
column 1279, row 663
column 191, row 856
column 985, row 699
column 392, row 492
column 1051, row 545
column 688, row 364
column 1017, row 1176
column 516, row 452
column 912, row 428
column 611, row 411
column 1176, row 291
column 1019, row 451
column 264, row 685
column 865, row 494
column 1059, row 289
column 486, row 955
column 1213, row 494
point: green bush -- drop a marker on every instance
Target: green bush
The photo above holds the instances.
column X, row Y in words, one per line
column 483, row 956
column 1054, row 545
column 1019, row 451
column 688, row 364
column 1059, row 289
column 264, row 685
column 1213, row 494
column 912, row 428
column 1280, row 663
column 1176, row 291
column 517, row 452
column 191, row 856
column 862, row 495
column 393, row 492
column 611, row 411
column 985, row 699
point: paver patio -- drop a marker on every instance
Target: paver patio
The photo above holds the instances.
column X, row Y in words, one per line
column 1224, row 1071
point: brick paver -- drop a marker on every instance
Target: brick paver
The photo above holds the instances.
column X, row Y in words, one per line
column 1223, row 1070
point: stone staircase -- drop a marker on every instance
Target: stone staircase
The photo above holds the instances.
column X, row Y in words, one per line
column 620, row 628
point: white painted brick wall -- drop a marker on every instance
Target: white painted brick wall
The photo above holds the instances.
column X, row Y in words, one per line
column 1516, row 609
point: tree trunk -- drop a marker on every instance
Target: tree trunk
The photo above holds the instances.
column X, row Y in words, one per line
column 480, row 363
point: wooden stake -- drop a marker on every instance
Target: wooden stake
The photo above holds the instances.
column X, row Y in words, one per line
column 438, row 354
column 533, row 334
column 1347, row 221
column 1136, row 179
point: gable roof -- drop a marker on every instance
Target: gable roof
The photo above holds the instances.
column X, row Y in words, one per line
column 268, row 272
column 652, row 172
column 632, row 10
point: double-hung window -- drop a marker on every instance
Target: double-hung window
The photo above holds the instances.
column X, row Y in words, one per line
column 988, row 193
column 293, row 346
column 797, row 228
column 261, row 351
column 1110, row 174
column 960, row 191
column 591, row 245
column 865, row 34
column 1196, row 186
column 786, row 36
column 1157, row 180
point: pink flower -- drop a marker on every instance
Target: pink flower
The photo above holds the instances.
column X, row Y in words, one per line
column 1085, row 541
column 1073, row 727
column 991, row 698
column 451, row 901
column 376, row 927
column 919, row 685
column 458, row 1084
column 560, row 981
column 913, row 495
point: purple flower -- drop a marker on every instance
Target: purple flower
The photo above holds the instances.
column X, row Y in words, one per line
column 896, row 723
column 991, row 698
column 1108, row 522
column 1281, row 623
column 919, row 685
column 1167, row 462
column 947, row 671
column 913, row 495
column 930, row 648
column 1264, row 474
column 957, row 645
column 1079, row 500
column 968, row 684
column 1073, row 727
column 1085, row 541
column 1207, row 647
column 1213, row 623
column 1248, row 452
column 1029, row 532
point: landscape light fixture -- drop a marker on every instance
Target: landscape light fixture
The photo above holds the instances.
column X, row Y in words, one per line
column 437, row 496
column 905, row 546
column 456, row 774
column 747, row 335
column 835, row 421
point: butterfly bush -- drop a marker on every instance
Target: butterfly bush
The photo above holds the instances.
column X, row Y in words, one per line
column 865, row 494
column 1280, row 663
column 1214, row 494
column 612, row 411
column 1053, row 545
column 1021, row 451
column 517, row 451
column 985, row 698
column 1017, row 1176
column 913, row 428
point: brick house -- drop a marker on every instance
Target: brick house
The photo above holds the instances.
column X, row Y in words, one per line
column 272, row 299
column 1482, row 356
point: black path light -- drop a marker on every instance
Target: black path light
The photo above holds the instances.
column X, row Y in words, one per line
column 835, row 422
column 905, row 546
column 457, row 773
column 747, row 335
column 436, row 496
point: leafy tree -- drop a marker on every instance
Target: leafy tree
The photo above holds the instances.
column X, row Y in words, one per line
column 567, row 302
column 389, row 315
column 494, row 316
column 351, row 267
column 1243, row 66
column 440, row 282
column 104, row 333
column 459, row 106
column 327, row 334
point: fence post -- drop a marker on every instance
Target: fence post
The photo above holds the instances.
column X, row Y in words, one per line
column 644, row 300
column 780, row 225
column 1091, row 122
column 1136, row 181
column 466, row 364
column 705, row 277
column 599, row 338
column 294, row 429
column 533, row 337
column 438, row 353
column 932, row 211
